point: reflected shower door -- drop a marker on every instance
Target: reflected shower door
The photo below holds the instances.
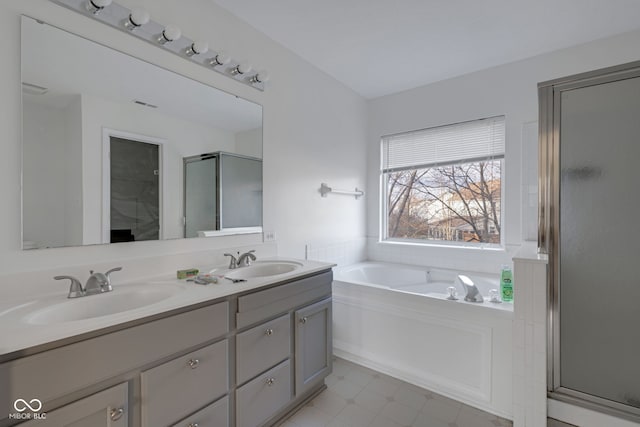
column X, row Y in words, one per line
column 201, row 199
column 599, row 242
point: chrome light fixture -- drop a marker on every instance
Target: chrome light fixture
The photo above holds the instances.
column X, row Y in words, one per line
column 197, row 48
column 261, row 76
column 138, row 23
column 137, row 18
column 95, row 6
column 242, row 68
column 221, row 58
column 169, row 34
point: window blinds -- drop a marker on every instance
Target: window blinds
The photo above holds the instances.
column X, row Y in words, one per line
column 443, row 145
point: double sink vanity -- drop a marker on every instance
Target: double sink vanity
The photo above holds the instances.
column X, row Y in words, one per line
column 166, row 352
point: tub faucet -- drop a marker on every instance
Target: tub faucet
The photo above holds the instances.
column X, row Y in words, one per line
column 473, row 294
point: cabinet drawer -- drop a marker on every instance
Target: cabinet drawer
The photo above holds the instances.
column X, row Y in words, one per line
column 261, row 347
column 261, row 305
column 262, row 397
column 177, row 388
column 214, row 415
column 108, row 408
column 118, row 352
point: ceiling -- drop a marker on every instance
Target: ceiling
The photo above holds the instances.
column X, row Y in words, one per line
column 379, row 47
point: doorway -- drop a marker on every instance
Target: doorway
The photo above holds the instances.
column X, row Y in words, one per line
column 133, row 188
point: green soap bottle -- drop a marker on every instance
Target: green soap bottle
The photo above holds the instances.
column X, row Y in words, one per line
column 506, row 284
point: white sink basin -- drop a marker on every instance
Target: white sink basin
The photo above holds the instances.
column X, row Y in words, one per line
column 119, row 300
column 264, row 269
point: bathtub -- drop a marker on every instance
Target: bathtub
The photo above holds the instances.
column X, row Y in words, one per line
column 397, row 319
column 426, row 281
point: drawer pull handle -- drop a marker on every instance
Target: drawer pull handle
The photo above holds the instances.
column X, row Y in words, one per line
column 193, row 363
column 193, row 425
column 270, row 381
column 303, row 320
column 268, row 332
column 116, row 414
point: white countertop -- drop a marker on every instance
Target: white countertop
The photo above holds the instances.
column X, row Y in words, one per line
column 17, row 334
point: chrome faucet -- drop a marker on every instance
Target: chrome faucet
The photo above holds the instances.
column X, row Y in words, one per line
column 233, row 262
column 473, row 294
column 97, row 283
column 243, row 260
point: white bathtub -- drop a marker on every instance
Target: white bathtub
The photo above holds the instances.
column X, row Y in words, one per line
column 427, row 281
column 395, row 318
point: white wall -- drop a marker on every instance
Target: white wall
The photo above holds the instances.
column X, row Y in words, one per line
column 44, row 173
column 314, row 131
column 510, row 90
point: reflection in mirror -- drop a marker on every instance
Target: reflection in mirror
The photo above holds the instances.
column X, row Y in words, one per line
column 237, row 201
column 107, row 137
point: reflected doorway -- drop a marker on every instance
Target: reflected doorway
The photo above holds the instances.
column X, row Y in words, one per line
column 132, row 181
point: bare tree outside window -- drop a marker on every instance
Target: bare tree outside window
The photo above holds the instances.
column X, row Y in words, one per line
column 459, row 202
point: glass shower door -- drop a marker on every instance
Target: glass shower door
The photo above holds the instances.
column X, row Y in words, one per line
column 595, row 255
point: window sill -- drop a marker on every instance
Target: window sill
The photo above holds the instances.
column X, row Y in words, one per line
column 442, row 245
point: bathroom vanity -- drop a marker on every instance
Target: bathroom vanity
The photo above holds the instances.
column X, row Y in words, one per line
column 240, row 355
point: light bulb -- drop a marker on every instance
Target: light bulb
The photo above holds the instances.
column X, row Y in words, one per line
column 169, row 34
column 137, row 18
column 95, row 6
column 242, row 68
column 197, row 48
column 221, row 58
column 261, row 77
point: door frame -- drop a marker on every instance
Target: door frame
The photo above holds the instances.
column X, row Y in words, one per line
column 107, row 133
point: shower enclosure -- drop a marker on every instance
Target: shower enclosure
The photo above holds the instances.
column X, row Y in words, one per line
column 590, row 227
column 221, row 191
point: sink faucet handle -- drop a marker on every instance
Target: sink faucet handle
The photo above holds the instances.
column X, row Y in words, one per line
column 233, row 262
column 75, row 290
column 113, row 270
column 107, row 286
column 245, row 259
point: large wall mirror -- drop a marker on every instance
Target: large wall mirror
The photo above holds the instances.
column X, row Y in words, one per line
column 116, row 149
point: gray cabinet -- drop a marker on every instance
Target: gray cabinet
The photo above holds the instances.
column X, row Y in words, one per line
column 262, row 347
column 214, row 415
column 313, row 343
column 263, row 396
column 183, row 385
column 108, row 408
column 205, row 367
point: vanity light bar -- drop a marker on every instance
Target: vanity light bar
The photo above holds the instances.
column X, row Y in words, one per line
column 168, row 37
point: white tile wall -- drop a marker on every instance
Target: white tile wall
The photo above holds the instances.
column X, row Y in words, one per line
column 530, row 340
column 343, row 252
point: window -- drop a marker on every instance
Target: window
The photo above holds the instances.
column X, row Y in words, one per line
column 445, row 183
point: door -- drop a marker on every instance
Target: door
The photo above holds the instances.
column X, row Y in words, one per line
column 135, row 190
column 313, row 345
column 108, row 408
column 594, row 251
column 200, row 194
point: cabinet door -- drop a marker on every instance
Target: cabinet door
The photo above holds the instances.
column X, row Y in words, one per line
column 108, row 408
column 313, row 345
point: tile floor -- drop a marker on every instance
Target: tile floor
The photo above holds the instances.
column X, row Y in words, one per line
column 359, row 397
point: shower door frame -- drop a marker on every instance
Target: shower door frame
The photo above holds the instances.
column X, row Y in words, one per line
column 549, row 102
